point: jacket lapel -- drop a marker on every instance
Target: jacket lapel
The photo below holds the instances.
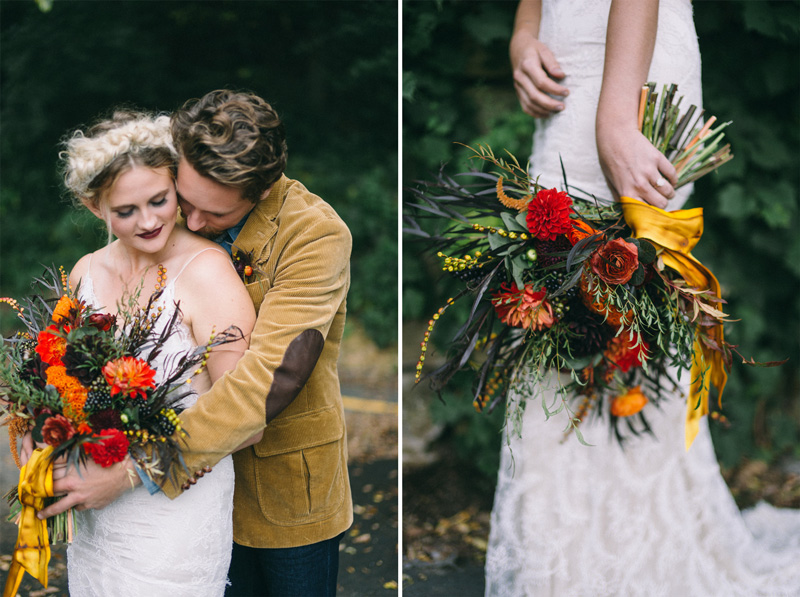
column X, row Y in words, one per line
column 260, row 226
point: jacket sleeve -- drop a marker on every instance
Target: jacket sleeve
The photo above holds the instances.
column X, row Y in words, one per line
column 309, row 287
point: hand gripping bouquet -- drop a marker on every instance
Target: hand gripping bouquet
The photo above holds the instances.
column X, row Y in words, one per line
column 606, row 295
column 84, row 383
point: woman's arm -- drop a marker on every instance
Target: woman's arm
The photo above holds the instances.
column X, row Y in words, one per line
column 535, row 68
column 633, row 167
column 217, row 299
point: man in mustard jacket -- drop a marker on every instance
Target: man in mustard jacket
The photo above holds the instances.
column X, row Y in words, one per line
column 292, row 501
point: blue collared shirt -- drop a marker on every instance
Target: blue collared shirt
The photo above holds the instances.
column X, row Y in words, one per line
column 227, row 238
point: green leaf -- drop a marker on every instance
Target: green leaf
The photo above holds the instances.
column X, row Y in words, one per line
column 647, row 251
column 638, row 276
column 511, row 223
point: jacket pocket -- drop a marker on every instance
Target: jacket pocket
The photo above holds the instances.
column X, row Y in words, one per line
column 299, row 468
column 257, row 290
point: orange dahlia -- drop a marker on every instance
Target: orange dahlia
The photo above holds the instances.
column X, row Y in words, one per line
column 129, row 376
column 524, row 308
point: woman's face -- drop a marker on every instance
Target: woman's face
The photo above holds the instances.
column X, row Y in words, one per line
column 142, row 208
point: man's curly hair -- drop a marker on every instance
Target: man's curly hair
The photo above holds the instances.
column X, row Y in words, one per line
column 234, row 138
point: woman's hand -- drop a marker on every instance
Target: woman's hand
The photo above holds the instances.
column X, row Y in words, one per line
column 535, row 68
column 535, row 74
column 633, row 167
column 26, row 449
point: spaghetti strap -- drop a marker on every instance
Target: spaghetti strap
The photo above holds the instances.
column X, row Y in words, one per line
column 192, row 258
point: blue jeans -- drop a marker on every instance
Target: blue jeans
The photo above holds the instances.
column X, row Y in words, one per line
column 305, row 571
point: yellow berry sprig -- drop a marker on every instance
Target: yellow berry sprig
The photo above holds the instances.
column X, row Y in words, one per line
column 424, row 344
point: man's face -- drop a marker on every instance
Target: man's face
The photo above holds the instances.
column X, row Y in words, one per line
column 209, row 207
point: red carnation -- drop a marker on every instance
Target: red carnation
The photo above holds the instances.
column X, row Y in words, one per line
column 548, row 214
column 112, row 447
column 56, row 430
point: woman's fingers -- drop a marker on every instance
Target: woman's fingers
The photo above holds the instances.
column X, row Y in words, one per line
column 534, row 81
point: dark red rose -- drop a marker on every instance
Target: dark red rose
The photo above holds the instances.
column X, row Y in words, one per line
column 109, row 450
column 102, row 321
column 616, row 261
column 548, row 214
column 56, row 430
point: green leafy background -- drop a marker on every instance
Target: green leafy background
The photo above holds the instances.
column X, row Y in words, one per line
column 457, row 87
column 329, row 68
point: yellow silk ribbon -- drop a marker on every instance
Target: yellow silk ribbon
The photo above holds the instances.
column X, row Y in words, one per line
column 32, row 551
column 675, row 234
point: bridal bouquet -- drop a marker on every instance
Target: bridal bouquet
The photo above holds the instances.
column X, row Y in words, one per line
column 606, row 294
column 83, row 382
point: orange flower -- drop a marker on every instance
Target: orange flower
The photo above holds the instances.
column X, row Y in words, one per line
column 50, row 346
column 628, row 403
column 129, row 376
column 524, row 308
column 63, row 307
column 73, row 394
column 580, row 230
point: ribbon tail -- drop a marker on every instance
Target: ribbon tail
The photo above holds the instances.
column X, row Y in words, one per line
column 32, row 550
column 14, row 579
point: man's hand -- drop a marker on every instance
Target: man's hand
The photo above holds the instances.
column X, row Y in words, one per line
column 93, row 487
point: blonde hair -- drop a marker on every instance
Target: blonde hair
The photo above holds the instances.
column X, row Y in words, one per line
column 94, row 160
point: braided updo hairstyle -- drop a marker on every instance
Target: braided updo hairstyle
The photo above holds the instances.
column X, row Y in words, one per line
column 233, row 138
column 93, row 160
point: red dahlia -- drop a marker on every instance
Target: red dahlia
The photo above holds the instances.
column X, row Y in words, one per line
column 112, row 447
column 548, row 214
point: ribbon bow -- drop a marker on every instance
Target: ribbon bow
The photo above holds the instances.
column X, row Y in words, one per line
column 32, row 551
column 675, row 234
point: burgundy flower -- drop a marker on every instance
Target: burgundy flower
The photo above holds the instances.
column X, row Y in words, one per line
column 56, row 430
column 548, row 214
column 101, row 321
column 615, row 262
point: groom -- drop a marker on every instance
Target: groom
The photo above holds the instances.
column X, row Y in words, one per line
column 292, row 501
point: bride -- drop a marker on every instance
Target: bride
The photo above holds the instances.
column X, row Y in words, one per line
column 122, row 170
column 651, row 519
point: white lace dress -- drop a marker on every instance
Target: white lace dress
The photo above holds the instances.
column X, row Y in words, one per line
column 652, row 520
column 146, row 544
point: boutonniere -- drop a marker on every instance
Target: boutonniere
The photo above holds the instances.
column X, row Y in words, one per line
column 243, row 262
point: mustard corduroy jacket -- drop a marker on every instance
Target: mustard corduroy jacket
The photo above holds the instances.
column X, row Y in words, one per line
column 292, row 488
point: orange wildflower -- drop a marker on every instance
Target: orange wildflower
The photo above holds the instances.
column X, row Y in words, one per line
column 580, row 230
column 63, row 307
column 73, row 394
column 510, row 202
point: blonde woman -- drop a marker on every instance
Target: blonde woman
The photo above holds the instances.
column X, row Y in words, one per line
column 122, row 170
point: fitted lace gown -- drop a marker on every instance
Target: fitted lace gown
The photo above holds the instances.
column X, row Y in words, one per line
column 652, row 520
column 150, row 545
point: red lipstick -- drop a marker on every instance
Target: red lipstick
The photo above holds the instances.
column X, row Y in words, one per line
column 152, row 234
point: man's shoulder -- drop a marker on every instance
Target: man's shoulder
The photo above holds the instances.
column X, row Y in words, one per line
column 301, row 209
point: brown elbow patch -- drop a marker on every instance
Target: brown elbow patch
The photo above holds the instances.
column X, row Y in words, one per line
column 292, row 374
